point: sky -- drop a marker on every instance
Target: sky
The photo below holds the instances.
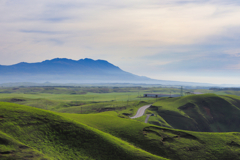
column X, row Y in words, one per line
column 190, row 40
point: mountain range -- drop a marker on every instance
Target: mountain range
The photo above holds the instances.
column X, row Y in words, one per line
column 63, row 70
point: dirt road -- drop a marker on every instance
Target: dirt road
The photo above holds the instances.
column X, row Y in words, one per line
column 141, row 111
column 146, row 120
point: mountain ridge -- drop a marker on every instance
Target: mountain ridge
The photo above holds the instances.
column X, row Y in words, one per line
column 64, row 71
column 58, row 63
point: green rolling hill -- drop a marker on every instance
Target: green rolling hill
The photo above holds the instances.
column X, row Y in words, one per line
column 11, row 149
column 57, row 137
column 31, row 133
column 165, row 142
column 206, row 113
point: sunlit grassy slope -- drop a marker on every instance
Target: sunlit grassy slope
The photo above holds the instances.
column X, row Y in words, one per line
column 57, row 137
column 170, row 143
column 49, row 135
column 206, row 112
column 11, row 149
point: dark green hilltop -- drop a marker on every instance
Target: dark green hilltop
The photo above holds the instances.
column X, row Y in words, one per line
column 205, row 113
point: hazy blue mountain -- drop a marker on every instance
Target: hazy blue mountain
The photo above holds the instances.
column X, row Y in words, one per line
column 62, row 70
column 60, row 66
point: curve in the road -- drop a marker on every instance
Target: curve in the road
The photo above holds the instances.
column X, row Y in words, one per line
column 141, row 111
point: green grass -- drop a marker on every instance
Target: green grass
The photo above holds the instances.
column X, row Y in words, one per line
column 104, row 135
column 90, row 99
column 126, row 108
column 169, row 143
column 105, row 130
column 61, row 138
column 206, row 112
column 130, row 90
column 158, row 120
column 11, row 149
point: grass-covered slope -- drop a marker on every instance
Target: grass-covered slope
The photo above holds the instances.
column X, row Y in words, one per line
column 10, row 149
column 207, row 112
column 56, row 137
column 129, row 130
column 170, row 143
column 39, row 134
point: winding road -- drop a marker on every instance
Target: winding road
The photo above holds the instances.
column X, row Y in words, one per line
column 146, row 120
column 141, row 111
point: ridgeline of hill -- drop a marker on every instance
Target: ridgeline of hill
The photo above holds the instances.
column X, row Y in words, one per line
column 31, row 133
column 206, row 113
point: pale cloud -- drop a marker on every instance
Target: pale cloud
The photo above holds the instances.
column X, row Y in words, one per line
column 235, row 67
column 134, row 25
column 235, row 52
column 128, row 33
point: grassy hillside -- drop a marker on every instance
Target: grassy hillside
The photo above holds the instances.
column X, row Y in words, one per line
column 56, row 137
column 170, row 143
column 31, row 133
column 207, row 112
column 11, row 149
